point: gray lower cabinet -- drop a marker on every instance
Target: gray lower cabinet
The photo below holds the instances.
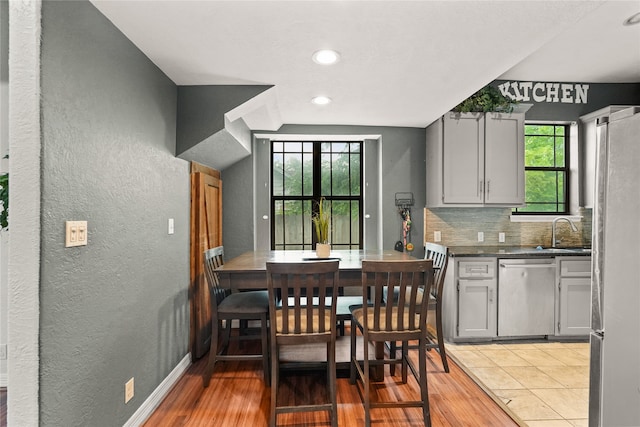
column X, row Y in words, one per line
column 573, row 298
column 471, row 299
column 477, row 295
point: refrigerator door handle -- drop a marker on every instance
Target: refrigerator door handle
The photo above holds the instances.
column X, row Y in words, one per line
column 595, row 380
column 599, row 219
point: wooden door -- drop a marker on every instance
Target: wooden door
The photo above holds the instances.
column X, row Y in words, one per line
column 206, row 232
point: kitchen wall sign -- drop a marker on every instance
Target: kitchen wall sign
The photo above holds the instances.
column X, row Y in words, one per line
column 562, row 101
column 565, row 93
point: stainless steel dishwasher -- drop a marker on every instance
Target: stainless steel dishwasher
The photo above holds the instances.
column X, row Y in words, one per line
column 526, row 297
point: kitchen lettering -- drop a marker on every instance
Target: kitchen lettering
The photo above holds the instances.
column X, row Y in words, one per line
column 565, row 93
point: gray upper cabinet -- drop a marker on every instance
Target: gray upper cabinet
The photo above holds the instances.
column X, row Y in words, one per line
column 475, row 159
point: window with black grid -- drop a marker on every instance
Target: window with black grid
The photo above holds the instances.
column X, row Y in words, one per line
column 546, row 169
column 302, row 173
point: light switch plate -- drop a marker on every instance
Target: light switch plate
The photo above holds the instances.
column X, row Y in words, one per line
column 437, row 236
column 501, row 237
column 128, row 390
column 480, row 236
column 75, row 233
column 171, row 226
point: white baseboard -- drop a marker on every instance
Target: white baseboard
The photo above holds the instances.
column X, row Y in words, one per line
column 148, row 406
column 3, row 380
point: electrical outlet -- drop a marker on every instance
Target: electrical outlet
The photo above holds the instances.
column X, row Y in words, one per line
column 501, row 237
column 437, row 236
column 3, row 352
column 128, row 390
column 480, row 236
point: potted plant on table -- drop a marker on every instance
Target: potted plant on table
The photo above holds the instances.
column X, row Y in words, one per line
column 321, row 220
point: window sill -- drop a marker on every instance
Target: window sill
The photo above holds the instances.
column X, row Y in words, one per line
column 543, row 218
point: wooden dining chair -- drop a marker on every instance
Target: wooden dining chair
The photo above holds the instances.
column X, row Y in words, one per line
column 227, row 307
column 399, row 319
column 296, row 322
column 439, row 254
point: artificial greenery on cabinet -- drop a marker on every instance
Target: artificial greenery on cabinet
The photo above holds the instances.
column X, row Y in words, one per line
column 487, row 99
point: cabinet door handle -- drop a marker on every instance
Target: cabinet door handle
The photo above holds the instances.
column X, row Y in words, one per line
column 480, row 186
column 491, row 295
column 528, row 265
column 488, row 186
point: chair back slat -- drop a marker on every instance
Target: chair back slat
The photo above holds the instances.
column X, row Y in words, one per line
column 322, row 294
column 309, row 290
column 409, row 280
column 214, row 259
column 439, row 254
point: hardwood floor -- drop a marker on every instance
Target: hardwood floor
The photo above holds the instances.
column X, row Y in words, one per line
column 3, row 407
column 237, row 396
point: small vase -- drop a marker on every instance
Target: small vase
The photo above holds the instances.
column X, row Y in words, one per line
column 323, row 250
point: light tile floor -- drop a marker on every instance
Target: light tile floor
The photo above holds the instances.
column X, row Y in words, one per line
column 544, row 384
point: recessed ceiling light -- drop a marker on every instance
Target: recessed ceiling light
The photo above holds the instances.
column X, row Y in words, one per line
column 326, row 57
column 321, row 100
column 632, row 20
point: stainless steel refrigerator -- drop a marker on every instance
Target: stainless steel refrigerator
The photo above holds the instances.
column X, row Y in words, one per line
column 614, row 382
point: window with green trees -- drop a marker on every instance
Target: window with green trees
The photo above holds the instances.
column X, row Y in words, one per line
column 302, row 172
column 546, row 169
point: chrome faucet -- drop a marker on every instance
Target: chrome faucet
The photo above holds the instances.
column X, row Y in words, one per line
column 553, row 229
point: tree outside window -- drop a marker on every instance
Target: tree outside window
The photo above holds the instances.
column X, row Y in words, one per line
column 546, row 169
column 302, row 173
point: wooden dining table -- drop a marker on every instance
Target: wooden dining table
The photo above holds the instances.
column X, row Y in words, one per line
column 249, row 272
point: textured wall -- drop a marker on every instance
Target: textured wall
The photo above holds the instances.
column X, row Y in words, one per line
column 117, row 308
column 201, row 110
column 403, row 170
column 4, row 167
column 237, row 208
column 24, row 212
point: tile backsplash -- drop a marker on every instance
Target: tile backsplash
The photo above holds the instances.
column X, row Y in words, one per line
column 460, row 227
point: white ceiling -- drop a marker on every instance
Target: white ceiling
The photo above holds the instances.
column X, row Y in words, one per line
column 403, row 63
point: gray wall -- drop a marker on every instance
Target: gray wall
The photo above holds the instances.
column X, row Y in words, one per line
column 403, row 168
column 117, row 308
column 4, row 167
column 201, row 110
column 237, row 208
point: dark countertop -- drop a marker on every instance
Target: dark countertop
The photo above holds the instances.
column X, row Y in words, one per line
column 514, row 251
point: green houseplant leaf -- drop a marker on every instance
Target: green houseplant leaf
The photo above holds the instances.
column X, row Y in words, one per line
column 487, row 99
column 321, row 220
